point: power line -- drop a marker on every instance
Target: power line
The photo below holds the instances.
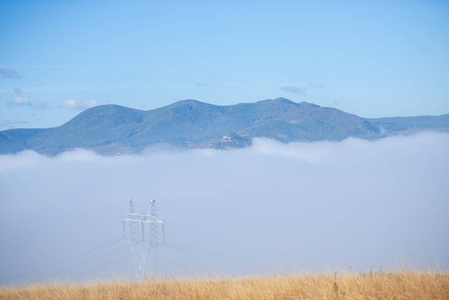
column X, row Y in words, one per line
column 29, row 232
column 61, row 261
column 109, row 263
column 91, row 260
column 172, row 245
column 104, row 265
column 88, row 261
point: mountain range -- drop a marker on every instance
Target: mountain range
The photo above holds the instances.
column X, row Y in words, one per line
column 112, row 129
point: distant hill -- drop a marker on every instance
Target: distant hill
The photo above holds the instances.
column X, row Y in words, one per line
column 412, row 124
column 111, row 129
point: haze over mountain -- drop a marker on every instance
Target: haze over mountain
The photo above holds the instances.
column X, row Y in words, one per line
column 111, row 129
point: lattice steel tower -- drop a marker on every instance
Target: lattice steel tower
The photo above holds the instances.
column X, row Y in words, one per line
column 144, row 254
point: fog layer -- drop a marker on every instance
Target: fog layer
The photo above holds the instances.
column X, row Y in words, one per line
column 268, row 208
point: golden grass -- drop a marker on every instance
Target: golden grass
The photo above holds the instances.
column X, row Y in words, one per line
column 392, row 285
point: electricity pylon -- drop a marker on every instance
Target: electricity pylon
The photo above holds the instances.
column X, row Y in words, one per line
column 144, row 254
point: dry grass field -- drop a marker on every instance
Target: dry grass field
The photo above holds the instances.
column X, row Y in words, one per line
column 391, row 285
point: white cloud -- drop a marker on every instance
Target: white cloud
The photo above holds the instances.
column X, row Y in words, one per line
column 294, row 89
column 19, row 101
column 40, row 105
column 79, row 105
column 302, row 90
column 25, row 102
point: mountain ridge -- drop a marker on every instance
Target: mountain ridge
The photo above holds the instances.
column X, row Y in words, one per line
column 109, row 129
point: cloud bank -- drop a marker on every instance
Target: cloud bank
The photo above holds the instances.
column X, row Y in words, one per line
column 268, row 208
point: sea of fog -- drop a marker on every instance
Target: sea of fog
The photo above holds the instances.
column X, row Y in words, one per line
column 267, row 209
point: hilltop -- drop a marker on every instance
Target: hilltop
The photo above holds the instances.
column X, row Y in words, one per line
column 111, row 129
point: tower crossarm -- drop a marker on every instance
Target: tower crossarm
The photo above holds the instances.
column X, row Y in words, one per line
column 145, row 218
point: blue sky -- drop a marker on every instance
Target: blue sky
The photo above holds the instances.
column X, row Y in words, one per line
column 370, row 58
